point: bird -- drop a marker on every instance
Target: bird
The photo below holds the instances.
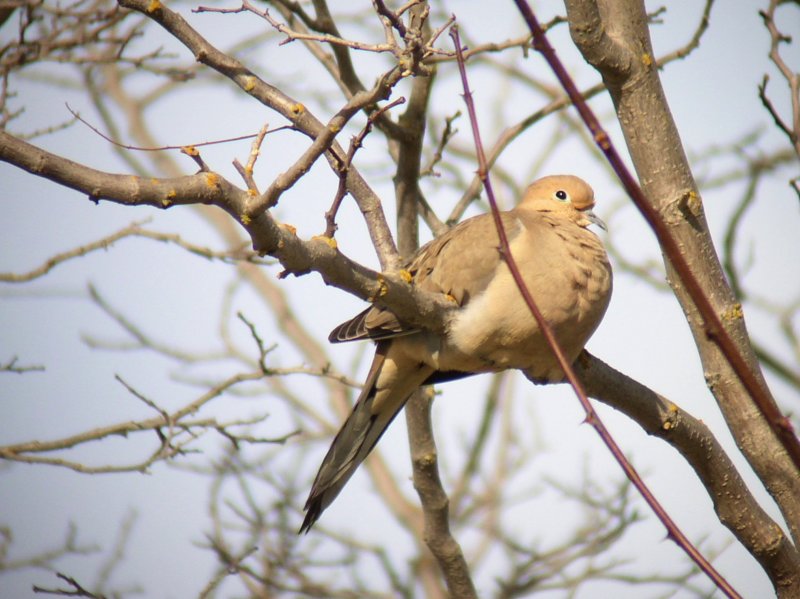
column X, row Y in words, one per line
column 564, row 266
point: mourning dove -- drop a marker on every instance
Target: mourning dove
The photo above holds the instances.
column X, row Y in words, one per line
column 566, row 269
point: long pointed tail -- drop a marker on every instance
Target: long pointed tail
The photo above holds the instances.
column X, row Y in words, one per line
column 358, row 435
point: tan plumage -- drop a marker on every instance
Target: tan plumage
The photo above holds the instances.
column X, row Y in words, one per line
column 564, row 266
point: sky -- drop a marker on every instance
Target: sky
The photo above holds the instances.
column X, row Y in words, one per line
column 714, row 101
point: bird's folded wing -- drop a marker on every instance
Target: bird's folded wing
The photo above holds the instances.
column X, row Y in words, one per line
column 459, row 263
column 462, row 262
column 374, row 323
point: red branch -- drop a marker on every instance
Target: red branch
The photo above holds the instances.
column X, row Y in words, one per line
column 715, row 330
column 673, row 532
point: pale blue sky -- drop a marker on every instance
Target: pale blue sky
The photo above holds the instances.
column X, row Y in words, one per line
column 714, row 101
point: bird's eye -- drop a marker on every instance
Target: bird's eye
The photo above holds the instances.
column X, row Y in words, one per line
column 561, row 196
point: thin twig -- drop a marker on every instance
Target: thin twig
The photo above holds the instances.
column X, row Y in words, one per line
column 777, row 38
column 193, row 153
column 355, row 144
column 246, row 171
column 292, row 35
column 171, row 147
column 392, row 17
column 12, row 366
column 447, row 134
column 76, row 589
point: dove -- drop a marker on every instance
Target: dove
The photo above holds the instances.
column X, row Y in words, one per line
column 566, row 269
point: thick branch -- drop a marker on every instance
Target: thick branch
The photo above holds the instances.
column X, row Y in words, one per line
column 433, row 498
column 436, row 505
column 734, row 503
column 675, row 211
column 268, row 236
column 202, row 188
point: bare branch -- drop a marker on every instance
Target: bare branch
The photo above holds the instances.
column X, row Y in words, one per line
column 12, row 366
column 133, row 230
column 296, row 35
column 355, row 144
column 735, row 505
column 268, row 236
column 75, row 590
column 428, row 485
column 177, row 423
column 255, row 151
column 45, row 559
column 791, row 129
column 292, row 110
column 254, row 485
column 618, row 64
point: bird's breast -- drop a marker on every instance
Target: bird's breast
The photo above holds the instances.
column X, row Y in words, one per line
column 570, row 281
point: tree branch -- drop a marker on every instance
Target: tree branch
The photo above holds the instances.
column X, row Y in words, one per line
column 674, row 212
column 294, row 111
column 735, row 505
column 792, row 129
column 434, row 500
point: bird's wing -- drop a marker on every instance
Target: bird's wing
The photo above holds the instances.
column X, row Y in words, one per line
column 459, row 263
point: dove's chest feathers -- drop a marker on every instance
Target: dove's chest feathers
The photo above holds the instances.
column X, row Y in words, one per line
column 566, row 270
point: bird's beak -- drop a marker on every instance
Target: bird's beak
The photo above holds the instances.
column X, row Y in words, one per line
column 594, row 219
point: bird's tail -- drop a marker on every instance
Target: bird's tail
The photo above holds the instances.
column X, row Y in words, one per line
column 358, row 435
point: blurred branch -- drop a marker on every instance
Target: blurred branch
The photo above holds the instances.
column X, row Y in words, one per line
column 114, row 560
column 752, row 165
column 754, row 172
column 241, row 519
column 75, row 589
column 133, row 230
column 478, row 444
column 76, row 32
column 46, row 559
column 231, row 567
column 606, row 518
column 791, row 128
column 12, row 366
column 694, row 41
column 174, row 430
column 116, row 557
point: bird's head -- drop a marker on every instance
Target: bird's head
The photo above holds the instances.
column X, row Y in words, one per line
column 564, row 195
